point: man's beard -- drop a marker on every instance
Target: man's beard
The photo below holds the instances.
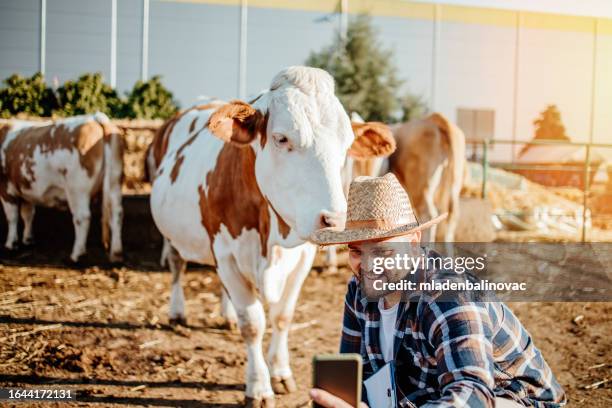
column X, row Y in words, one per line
column 367, row 285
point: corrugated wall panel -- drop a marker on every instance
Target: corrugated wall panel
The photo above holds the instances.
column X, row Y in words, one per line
column 195, row 48
column 602, row 131
column 129, row 43
column 411, row 42
column 280, row 38
column 476, row 71
column 555, row 68
column 19, row 37
column 603, row 91
column 78, row 38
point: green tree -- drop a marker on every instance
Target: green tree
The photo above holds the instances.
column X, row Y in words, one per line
column 366, row 78
column 150, row 100
column 548, row 126
column 26, row 95
column 413, row 107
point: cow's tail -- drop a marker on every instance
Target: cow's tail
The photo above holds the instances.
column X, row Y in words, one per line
column 112, row 179
column 454, row 174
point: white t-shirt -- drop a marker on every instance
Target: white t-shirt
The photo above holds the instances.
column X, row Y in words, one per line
column 387, row 329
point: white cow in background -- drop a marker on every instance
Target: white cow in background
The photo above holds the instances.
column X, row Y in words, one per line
column 63, row 163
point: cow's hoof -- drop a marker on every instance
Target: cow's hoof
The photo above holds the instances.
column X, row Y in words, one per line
column 178, row 321
column 28, row 243
column 283, row 385
column 74, row 264
column 13, row 248
column 230, row 325
column 116, row 258
column 266, row 402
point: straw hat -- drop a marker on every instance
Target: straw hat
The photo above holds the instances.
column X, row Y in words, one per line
column 378, row 208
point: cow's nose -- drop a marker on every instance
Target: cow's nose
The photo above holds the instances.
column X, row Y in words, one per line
column 331, row 219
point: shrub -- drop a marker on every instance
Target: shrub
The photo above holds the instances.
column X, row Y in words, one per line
column 150, row 100
column 88, row 94
column 26, row 95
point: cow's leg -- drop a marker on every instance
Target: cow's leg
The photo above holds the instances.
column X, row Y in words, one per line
column 177, row 298
column 116, row 221
column 78, row 201
column 165, row 252
column 11, row 211
column 228, row 312
column 426, row 210
column 453, row 215
column 331, row 259
column 252, row 324
column 281, row 315
column 27, row 215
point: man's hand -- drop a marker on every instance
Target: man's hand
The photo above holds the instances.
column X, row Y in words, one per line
column 328, row 400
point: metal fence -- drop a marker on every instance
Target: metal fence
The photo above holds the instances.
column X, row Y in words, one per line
column 586, row 166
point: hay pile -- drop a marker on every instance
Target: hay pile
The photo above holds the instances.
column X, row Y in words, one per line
column 529, row 211
column 137, row 135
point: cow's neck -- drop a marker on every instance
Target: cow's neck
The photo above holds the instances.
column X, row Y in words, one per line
column 233, row 199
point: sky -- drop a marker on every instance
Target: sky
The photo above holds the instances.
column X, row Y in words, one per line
column 594, row 8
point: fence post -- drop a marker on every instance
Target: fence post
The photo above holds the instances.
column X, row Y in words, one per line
column 485, row 165
column 586, row 189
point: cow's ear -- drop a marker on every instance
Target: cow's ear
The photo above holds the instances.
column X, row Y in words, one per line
column 236, row 122
column 372, row 139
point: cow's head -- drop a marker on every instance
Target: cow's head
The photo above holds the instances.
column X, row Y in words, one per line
column 300, row 134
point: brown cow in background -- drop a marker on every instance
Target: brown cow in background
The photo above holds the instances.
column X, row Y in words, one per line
column 429, row 161
column 62, row 164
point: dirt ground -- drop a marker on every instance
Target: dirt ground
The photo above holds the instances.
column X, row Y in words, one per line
column 103, row 332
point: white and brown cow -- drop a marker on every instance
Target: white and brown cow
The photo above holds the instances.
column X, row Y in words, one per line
column 58, row 164
column 242, row 187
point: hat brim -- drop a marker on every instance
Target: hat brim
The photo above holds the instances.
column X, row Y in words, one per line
column 334, row 236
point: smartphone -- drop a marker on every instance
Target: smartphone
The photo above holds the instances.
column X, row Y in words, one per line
column 338, row 374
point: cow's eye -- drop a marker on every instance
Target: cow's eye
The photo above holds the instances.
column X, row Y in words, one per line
column 282, row 141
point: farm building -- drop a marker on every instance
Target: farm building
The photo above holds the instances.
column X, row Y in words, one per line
column 490, row 70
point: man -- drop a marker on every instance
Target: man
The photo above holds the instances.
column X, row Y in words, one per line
column 447, row 351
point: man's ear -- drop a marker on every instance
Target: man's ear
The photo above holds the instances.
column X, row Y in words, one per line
column 236, row 122
column 372, row 139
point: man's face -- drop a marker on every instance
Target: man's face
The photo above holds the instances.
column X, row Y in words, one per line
column 362, row 255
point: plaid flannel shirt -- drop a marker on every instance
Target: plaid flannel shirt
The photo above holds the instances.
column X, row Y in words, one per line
column 452, row 353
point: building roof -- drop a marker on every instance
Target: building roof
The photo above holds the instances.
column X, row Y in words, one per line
column 556, row 154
